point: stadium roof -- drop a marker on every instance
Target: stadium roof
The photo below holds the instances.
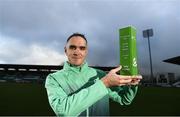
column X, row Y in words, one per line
column 174, row 60
column 42, row 67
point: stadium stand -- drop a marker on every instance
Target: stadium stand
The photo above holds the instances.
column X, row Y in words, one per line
column 30, row 73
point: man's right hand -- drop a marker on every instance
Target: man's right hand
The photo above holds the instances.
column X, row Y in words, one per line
column 113, row 79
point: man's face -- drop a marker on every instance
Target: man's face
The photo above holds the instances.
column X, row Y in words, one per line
column 76, row 50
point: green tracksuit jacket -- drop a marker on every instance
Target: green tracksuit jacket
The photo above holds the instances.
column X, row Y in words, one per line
column 78, row 91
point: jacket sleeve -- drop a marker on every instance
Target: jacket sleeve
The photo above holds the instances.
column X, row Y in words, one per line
column 73, row 105
column 123, row 94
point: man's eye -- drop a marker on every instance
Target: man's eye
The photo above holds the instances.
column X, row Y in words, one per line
column 82, row 48
column 72, row 47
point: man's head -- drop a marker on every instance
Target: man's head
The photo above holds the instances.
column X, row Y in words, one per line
column 76, row 49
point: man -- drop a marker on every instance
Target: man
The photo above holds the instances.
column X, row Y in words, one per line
column 79, row 90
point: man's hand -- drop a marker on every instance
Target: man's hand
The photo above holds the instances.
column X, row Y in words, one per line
column 113, row 79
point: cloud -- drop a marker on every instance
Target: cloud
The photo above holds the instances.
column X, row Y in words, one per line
column 42, row 55
column 46, row 24
column 13, row 51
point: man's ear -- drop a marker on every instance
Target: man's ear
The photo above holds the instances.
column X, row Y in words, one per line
column 65, row 49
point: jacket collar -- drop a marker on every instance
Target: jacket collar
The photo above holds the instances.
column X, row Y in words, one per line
column 81, row 68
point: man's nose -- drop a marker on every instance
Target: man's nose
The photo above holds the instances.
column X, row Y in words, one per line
column 77, row 50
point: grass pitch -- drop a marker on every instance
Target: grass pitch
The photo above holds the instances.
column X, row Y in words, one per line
column 31, row 99
column 149, row 101
column 23, row 99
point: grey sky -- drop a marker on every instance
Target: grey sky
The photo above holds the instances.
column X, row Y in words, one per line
column 35, row 31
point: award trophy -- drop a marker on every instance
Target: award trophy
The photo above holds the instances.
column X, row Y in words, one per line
column 128, row 51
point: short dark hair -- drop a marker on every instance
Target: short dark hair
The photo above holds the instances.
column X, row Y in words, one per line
column 75, row 35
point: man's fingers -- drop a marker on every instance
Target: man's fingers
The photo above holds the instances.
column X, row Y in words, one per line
column 125, row 77
column 136, row 83
column 122, row 84
column 136, row 80
column 129, row 79
column 137, row 77
column 116, row 69
column 125, row 81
